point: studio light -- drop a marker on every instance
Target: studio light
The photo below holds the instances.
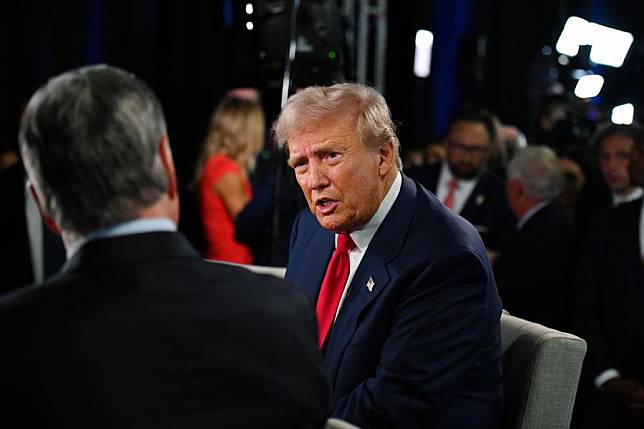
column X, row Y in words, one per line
column 623, row 114
column 608, row 45
column 589, row 86
column 423, row 55
column 574, row 34
column 249, row 8
column 249, row 25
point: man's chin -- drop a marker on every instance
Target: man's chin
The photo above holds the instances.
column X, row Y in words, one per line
column 332, row 223
column 463, row 173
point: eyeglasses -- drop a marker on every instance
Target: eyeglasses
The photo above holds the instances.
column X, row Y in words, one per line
column 470, row 150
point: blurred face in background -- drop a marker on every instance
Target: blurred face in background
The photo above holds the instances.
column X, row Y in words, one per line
column 636, row 167
column 614, row 159
column 468, row 148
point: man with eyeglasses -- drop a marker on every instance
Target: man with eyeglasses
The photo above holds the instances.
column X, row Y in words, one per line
column 464, row 183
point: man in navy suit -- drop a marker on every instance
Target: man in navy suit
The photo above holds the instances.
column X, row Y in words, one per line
column 465, row 184
column 411, row 338
column 137, row 330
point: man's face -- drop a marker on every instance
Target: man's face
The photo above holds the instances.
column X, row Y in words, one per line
column 468, row 146
column 342, row 180
column 614, row 158
column 636, row 166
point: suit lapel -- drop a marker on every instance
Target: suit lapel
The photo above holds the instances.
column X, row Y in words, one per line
column 373, row 270
column 309, row 272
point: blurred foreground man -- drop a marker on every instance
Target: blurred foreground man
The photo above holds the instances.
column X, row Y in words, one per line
column 137, row 331
column 408, row 312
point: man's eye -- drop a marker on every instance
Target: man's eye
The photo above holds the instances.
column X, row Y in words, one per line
column 299, row 164
column 333, row 155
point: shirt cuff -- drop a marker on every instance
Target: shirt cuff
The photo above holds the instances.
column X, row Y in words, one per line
column 602, row 378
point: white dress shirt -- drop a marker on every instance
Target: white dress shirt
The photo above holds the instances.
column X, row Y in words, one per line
column 363, row 236
column 631, row 196
column 462, row 192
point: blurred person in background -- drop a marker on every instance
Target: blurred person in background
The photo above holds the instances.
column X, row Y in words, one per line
column 614, row 323
column 614, row 144
column 463, row 181
column 435, row 152
column 534, row 271
column 235, row 137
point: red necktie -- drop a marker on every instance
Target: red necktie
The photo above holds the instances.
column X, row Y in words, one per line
column 449, row 199
column 333, row 284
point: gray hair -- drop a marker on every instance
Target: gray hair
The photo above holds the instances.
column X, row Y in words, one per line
column 538, row 169
column 374, row 126
column 91, row 137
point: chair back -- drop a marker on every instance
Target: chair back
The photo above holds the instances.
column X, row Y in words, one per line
column 541, row 368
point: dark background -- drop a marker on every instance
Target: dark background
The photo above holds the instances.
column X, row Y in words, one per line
column 191, row 52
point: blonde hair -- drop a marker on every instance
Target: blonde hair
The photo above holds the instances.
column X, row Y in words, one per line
column 315, row 104
column 236, row 130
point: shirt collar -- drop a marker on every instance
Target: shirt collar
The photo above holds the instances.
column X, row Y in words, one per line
column 632, row 196
column 363, row 236
column 137, row 226
column 527, row 215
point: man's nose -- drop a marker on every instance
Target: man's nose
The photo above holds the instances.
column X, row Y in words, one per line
column 317, row 177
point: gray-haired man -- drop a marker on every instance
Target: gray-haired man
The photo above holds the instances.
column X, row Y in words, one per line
column 137, row 330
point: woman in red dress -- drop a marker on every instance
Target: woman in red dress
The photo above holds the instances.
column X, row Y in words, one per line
column 235, row 137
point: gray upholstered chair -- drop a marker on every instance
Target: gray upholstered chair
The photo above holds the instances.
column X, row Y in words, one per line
column 541, row 368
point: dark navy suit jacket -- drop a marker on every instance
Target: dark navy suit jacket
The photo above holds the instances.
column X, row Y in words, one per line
column 486, row 208
column 423, row 347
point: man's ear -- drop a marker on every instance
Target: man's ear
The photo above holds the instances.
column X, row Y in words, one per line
column 386, row 157
column 51, row 224
column 168, row 165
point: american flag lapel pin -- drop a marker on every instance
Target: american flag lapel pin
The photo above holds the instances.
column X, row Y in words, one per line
column 370, row 284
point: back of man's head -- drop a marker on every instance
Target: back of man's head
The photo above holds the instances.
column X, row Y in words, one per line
column 539, row 170
column 90, row 140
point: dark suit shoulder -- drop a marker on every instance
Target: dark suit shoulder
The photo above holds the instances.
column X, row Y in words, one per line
column 438, row 230
column 492, row 183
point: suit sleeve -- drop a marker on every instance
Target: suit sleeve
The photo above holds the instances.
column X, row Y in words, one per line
column 435, row 337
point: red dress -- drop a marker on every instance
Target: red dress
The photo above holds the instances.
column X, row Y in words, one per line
column 219, row 226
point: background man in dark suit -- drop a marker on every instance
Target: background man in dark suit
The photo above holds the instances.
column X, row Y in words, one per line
column 615, row 324
column 465, row 184
column 407, row 307
column 137, row 330
column 534, row 271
